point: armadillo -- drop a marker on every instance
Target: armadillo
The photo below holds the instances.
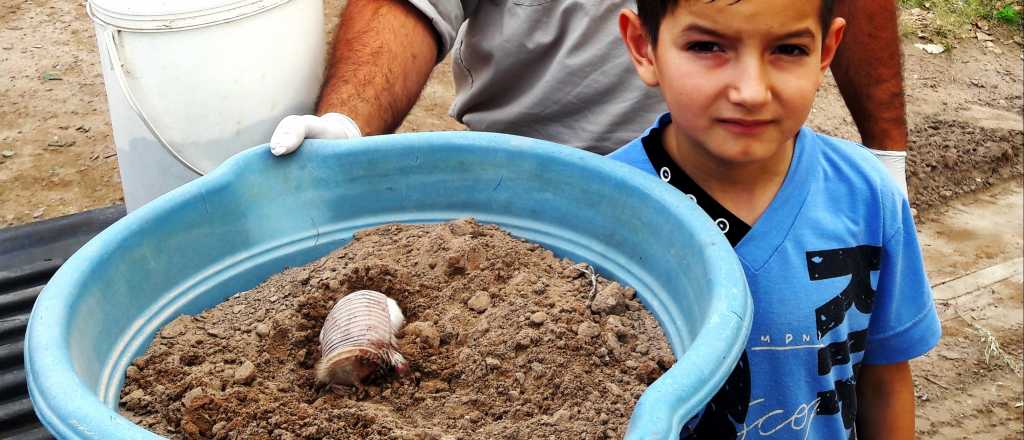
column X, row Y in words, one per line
column 358, row 340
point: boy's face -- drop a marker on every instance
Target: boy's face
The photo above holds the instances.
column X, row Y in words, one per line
column 739, row 77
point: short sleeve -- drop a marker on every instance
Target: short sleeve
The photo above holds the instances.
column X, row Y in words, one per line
column 446, row 16
column 904, row 323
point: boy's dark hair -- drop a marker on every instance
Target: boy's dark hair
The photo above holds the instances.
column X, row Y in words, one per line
column 651, row 13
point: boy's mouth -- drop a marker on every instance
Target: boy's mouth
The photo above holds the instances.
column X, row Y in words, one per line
column 745, row 126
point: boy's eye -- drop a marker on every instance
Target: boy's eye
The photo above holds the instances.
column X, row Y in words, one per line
column 791, row 50
column 704, row 47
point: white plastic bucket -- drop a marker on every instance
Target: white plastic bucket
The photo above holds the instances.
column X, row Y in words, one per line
column 191, row 82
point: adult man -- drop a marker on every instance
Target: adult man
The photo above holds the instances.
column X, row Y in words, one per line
column 555, row 70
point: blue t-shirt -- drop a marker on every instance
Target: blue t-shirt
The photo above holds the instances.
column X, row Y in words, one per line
column 837, row 280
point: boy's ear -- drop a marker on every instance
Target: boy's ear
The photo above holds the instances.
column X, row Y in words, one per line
column 641, row 51
column 830, row 42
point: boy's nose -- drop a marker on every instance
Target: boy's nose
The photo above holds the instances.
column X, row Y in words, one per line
column 750, row 88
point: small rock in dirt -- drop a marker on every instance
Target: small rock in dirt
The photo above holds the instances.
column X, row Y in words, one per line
column 7, row 154
column 464, row 227
column 609, row 301
column 218, row 332
column 611, row 342
column 628, row 293
column 280, row 434
column 455, row 264
column 576, row 270
column 38, row 213
column 175, row 328
column 561, row 417
column 132, row 372
column 133, row 399
column 665, row 362
column 616, row 325
column 537, row 368
column 263, row 329
column 424, row 332
column 191, row 396
column 492, row 363
column 218, row 428
column 588, row 330
column 539, row 287
column 480, row 302
column 983, row 36
column 613, row 389
column 647, row 371
column 633, row 306
column 245, row 374
column 526, row 339
column 538, row 318
column 521, row 378
column 931, row 48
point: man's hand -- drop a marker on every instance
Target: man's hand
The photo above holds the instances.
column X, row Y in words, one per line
column 895, row 162
column 292, row 130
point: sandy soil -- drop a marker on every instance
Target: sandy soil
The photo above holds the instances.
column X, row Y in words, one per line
column 964, row 109
column 964, row 392
column 504, row 340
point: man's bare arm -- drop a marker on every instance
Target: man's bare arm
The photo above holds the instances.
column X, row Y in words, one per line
column 383, row 53
column 868, row 69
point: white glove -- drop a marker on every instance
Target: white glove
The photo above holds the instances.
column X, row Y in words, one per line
column 896, row 163
column 292, row 130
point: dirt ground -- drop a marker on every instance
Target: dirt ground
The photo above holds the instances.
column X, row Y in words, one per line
column 964, row 110
column 964, row 392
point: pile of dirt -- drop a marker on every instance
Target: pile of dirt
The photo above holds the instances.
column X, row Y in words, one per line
column 504, row 339
column 950, row 158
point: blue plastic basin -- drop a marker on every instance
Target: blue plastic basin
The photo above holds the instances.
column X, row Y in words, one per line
column 256, row 214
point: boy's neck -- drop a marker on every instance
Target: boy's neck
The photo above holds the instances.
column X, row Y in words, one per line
column 745, row 189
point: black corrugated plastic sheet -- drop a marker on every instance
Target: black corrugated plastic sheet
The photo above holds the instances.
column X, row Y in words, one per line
column 29, row 256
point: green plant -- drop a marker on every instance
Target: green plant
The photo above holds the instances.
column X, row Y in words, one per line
column 1008, row 15
column 950, row 20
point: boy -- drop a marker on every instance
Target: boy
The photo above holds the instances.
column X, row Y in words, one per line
column 827, row 241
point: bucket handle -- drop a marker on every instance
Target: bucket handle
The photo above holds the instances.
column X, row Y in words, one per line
column 113, row 52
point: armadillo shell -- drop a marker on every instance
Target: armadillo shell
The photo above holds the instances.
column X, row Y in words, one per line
column 350, row 366
column 360, row 320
